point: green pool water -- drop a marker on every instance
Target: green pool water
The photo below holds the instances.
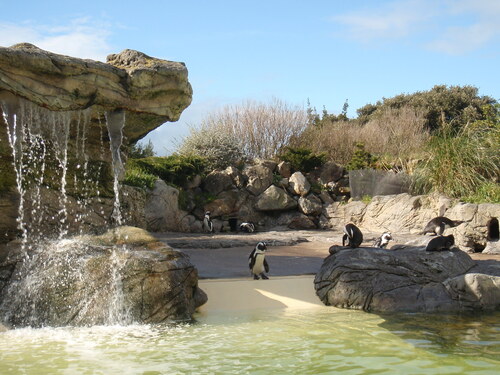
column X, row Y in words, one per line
column 307, row 341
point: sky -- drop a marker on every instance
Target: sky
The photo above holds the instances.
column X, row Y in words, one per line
column 321, row 52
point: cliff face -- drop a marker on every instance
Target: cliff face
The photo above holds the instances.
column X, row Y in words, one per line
column 55, row 110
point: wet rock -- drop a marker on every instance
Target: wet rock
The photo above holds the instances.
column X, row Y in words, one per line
column 124, row 276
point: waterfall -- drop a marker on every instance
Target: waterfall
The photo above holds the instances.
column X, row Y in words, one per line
column 51, row 161
column 116, row 121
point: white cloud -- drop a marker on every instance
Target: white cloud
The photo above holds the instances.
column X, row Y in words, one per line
column 461, row 40
column 393, row 20
column 79, row 38
column 448, row 26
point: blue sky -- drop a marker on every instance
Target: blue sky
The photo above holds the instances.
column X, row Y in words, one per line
column 324, row 51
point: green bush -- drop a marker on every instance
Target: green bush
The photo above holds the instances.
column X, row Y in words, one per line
column 174, row 169
column 135, row 176
column 302, row 159
column 361, row 159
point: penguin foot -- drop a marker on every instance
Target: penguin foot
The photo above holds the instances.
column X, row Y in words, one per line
column 255, row 277
column 264, row 277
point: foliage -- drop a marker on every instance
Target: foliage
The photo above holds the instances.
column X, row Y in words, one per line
column 302, row 159
column 361, row 159
column 398, row 134
column 454, row 105
column 256, row 130
column 218, row 148
column 174, row 169
column 139, row 151
column 488, row 192
column 135, row 176
column 465, row 163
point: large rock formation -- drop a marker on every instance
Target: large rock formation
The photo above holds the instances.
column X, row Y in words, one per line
column 121, row 277
column 410, row 280
column 152, row 91
column 56, row 108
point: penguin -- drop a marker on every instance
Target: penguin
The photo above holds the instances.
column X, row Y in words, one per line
column 383, row 240
column 247, row 227
column 257, row 261
column 352, row 235
column 439, row 224
column 208, row 226
column 441, row 243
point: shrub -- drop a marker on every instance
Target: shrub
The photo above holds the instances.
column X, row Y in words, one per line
column 361, row 159
column 260, row 130
column 175, row 169
column 217, row 147
column 302, row 159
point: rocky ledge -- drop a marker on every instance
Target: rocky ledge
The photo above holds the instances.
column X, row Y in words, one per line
column 152, row 91
column 407, row 280
column 124, row 276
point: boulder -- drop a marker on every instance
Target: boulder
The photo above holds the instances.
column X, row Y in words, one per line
column 409, row 280
column 162, row 211
column 259, row 178
column 238, row 179
column 299, row 184
column 275, row 199
column 310, row 205
column 124, row 276
column 217, row 181
column 284, row 169
column 301, row 221
column 330, row 172
column 225, row 204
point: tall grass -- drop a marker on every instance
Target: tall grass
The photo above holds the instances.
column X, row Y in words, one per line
column 461, row 165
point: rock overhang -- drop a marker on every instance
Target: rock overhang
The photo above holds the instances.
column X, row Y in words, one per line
column 152, row 91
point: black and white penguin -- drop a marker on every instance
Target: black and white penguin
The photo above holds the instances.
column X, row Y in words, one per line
column 439, row 224
column 383, row 240
column 247, row 227
column 441, row 243
column 257, row 261
column 352, row 235
column 208, row 226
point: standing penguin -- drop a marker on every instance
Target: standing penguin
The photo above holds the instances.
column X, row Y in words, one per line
column 383, row 240
column 439, row 224
column 441, row 243
column 257, row 261
column 208, row 226
column 352, row 235
column 247, row 227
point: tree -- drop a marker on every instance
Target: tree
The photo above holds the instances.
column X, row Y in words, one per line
column 139, row 151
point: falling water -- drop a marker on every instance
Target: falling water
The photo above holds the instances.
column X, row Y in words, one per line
column 116, row 121
column 45, row 144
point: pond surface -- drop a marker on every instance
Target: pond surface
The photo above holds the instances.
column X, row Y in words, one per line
column 302, row 341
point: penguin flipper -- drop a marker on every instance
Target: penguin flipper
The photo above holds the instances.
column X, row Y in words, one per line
column 266, row 265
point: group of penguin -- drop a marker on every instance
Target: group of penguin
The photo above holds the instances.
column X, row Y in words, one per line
column 208, row 225
column 352, row 237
